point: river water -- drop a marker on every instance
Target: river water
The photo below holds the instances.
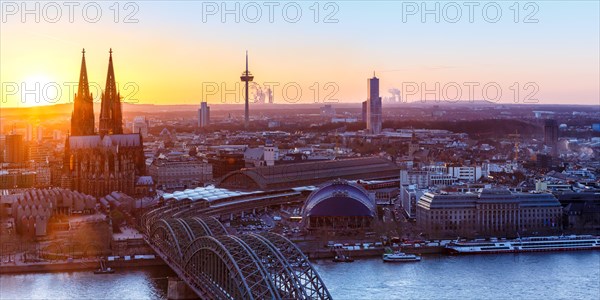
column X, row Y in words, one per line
column 559, row 275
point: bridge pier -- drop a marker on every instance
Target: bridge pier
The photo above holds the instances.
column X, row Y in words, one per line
column 178, row 290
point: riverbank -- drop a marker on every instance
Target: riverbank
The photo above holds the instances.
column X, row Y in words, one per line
column 75, row 265
column 326, row 253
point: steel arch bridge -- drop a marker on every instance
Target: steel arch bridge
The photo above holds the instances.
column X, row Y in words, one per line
column 220, row 266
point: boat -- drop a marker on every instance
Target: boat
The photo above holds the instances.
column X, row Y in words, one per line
column 106, row 271
column 343, row 258
column 400, row 257
column 103, row 268
column 526, row 244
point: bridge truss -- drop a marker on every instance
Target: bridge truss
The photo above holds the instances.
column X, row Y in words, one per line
column 221, row 266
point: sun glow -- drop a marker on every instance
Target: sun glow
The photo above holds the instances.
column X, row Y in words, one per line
column 39, row 90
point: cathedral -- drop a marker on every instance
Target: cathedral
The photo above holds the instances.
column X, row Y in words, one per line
column 98, row 163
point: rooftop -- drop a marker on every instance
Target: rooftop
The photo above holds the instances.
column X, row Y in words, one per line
column 309, row 173
column 209, row 193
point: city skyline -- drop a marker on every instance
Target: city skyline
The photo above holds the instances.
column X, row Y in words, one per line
column 233, row 150
column 560, row 59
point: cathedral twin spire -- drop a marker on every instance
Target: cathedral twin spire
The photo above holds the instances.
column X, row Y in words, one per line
column 82, row 119
column 110, row 110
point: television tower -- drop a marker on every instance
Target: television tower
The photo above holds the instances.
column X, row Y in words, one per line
column 516, row 136
column 246, row 77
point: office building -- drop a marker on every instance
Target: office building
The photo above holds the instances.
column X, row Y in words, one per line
column 184, row 174
column 364, row 112
column 551, row 136
column 409, row 196
column 489, row 212
column 373, row 106
column 203, row 115
column 15, row 149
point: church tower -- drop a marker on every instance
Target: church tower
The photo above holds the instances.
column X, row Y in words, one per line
column 110, row 109
column 82, row 118
column 98, row 163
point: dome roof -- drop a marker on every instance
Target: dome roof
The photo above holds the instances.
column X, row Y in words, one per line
column 339, row 198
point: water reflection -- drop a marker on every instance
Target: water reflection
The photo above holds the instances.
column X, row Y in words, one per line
column 569, row 275
column 143, row 283
column 574, row 275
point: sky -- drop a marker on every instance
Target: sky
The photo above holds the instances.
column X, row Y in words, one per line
column 185, row 52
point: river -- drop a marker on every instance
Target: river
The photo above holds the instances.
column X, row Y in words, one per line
column 558, row 275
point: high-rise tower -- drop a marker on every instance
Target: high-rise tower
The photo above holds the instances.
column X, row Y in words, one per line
column 246, row 77
column 551, row 136
column 364, row 111
column 373, row 106
column 82, row 118
column 110, row 109
column 203, row 115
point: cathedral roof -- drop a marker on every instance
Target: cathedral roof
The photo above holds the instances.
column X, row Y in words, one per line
column 145, row 180
column 94, row 141
column 125, row 140
column 82, row 142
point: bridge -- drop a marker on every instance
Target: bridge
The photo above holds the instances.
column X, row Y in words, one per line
column 216, row 265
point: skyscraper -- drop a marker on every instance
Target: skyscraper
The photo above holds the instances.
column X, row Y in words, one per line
column 364, row 111
column 203, row 115
column 246, row 77
column 82, row 119
column 551, row 135
column 373, row 106
column 110, row 110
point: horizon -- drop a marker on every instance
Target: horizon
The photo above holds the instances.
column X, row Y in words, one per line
column 357, row 104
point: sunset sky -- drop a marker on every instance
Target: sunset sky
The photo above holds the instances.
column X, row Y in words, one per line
column 171, row 52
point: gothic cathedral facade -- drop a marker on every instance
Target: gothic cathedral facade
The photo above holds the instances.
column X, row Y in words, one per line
column 98, row 163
